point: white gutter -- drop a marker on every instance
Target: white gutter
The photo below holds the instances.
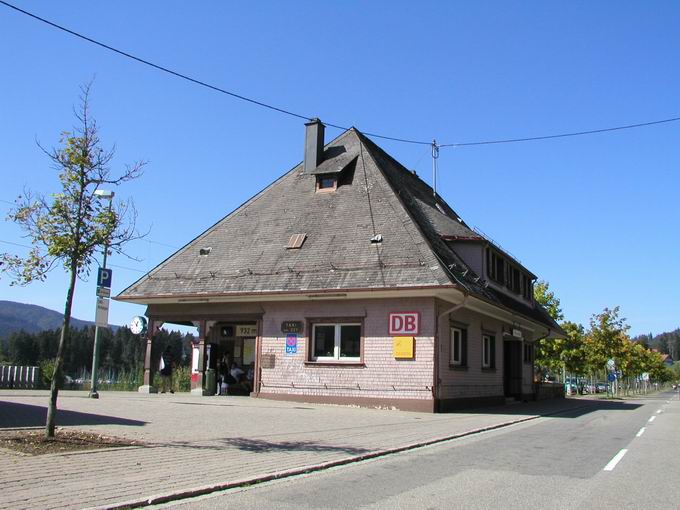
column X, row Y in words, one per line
column 451, row 310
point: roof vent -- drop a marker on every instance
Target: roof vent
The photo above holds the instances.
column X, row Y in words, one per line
column 205, row 251
column 296, row 241
column 376, row 239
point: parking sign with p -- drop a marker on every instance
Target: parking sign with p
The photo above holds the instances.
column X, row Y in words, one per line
column 104, row 277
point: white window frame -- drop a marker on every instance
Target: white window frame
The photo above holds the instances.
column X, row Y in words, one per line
column 452, row 360
column 337, row 337
column 486, row 351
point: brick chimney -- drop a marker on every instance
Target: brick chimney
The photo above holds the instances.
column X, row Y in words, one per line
column 314, row 138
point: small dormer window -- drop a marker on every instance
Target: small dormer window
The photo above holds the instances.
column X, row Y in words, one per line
column 326, row 182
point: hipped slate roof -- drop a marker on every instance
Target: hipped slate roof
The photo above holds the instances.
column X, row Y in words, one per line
column 246, row 252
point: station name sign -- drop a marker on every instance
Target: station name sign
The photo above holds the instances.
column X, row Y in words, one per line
column 292, row 327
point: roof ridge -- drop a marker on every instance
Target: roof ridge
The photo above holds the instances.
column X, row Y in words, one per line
column 446, row 270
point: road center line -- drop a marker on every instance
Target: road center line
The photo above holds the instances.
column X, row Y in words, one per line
column 652, row 419
column 640, row 432
column 612, row 463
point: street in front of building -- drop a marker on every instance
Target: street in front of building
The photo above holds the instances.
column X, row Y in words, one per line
column 551, row 451
column 614, row 457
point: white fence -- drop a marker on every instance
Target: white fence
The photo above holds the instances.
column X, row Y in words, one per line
column 15, row 377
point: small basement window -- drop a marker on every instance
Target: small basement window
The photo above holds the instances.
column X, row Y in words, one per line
column 326, row 182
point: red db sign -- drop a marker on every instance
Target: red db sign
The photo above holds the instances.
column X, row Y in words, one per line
column 404, row 324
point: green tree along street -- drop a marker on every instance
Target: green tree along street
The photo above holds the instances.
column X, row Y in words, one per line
column 68, row 227
column 586, row 352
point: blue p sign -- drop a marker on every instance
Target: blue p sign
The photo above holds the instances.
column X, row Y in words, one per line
column 104, row 277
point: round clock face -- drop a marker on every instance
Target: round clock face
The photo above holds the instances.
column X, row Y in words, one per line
column 138, row 325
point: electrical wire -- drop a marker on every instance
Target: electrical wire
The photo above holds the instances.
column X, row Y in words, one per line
column 193, row 80
column 110, row 265
column 16, row 244
column 308, row 118
column 562, row 135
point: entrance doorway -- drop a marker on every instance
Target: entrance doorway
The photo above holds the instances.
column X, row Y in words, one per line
column 233, row 345
column 512, row 368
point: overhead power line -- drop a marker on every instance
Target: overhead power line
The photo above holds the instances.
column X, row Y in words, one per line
column 306, row 117
column 563, row 135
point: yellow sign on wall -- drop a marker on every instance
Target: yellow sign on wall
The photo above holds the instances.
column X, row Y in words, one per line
column 403, row 347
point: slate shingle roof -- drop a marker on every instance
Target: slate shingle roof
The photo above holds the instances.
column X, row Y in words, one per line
column 375, row 195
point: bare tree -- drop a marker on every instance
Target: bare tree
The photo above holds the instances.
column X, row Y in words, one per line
column 67, row 227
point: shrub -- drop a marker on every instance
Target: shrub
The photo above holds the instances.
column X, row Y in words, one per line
column 47, row 371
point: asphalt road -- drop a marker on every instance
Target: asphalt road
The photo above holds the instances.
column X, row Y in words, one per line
column 597, row 459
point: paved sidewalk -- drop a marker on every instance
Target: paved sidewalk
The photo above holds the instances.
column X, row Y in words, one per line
column 199, row 444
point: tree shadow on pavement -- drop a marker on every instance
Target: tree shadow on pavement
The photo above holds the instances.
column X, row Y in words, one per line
column 559, row 408
column 263, row 446
column 16, row 415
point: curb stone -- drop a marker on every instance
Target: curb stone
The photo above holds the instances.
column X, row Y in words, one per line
column 208, row 489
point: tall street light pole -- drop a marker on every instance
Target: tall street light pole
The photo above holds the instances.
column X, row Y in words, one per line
column 95, row 356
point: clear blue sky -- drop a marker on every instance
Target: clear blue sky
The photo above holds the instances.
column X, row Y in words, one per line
column 596, row 216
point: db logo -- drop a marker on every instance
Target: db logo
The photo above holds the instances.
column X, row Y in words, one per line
column 404, row 324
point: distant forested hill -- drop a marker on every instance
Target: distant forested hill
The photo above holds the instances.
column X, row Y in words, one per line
column 668, row 342
column 31, row 318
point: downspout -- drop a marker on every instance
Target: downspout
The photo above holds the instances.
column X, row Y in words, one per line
column 435, row 386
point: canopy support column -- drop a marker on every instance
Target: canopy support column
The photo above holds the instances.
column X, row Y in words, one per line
column 148, row 387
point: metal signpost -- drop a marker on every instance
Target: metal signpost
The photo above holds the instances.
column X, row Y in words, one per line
column 101, row 319
column 104, row 276
column 611, row 376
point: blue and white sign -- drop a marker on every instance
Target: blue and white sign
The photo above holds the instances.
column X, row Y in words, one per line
column 104, row 277
column 291, row 343
column 611, row 377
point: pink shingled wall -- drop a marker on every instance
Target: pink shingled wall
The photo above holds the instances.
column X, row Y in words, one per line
column 381, row 377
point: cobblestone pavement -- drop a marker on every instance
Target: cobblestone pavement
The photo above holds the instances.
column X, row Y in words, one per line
column 198, row 444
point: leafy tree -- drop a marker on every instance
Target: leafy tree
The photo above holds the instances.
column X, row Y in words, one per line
column 572, row 349
column 675, row 372
column 606, row 338
column 547, row 299
column 69, row 226
column 23, row 349
column 549, row 350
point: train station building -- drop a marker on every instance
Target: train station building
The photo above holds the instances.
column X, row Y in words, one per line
column 349, row 281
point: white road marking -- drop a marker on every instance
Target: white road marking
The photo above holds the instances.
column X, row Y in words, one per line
column 659, row 411
column 652, row 419
column 612, row 463
column 640, row 432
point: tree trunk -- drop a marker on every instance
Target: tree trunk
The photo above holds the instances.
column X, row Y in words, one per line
column 59, row 362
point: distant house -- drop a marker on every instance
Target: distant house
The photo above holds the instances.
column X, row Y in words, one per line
column 348, row 281
column 667, row 360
